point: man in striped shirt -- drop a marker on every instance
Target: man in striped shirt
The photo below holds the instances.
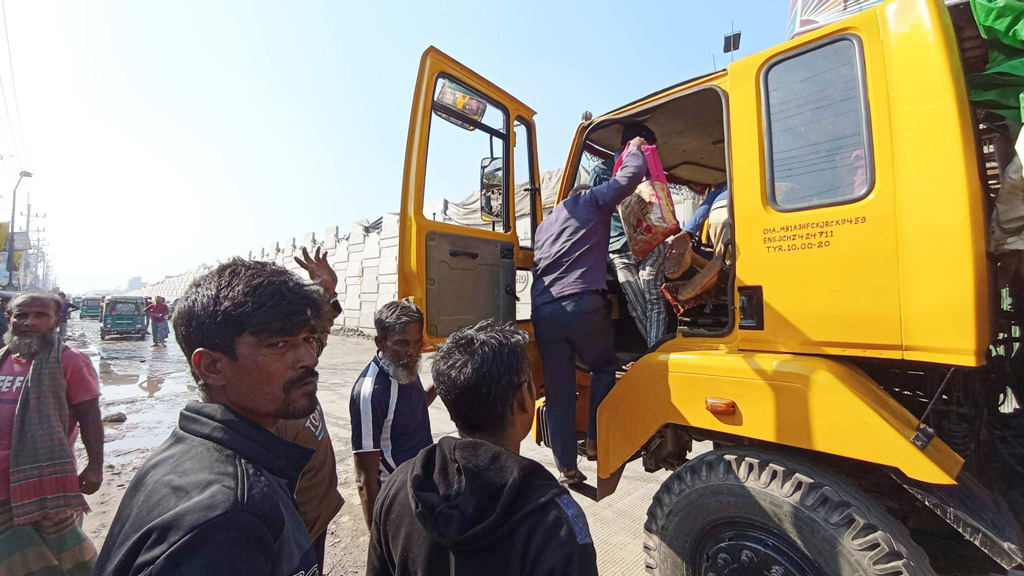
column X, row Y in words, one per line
column 389, row 404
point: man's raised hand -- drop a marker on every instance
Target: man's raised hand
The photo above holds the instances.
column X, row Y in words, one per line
column 320, row 271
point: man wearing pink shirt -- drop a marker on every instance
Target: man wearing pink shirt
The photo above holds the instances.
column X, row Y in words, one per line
column 47, row 391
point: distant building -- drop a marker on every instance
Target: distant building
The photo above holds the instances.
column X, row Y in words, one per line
column 135, row 283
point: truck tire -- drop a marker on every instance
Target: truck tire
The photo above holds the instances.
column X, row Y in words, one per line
column 745, row 511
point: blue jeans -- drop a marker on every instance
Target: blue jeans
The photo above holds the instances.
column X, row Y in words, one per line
column 160, row 332
column 574, row 326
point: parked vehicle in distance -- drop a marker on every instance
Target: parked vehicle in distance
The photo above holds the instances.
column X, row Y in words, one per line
column 142, row 301
column 122, row 317
column 90, row 307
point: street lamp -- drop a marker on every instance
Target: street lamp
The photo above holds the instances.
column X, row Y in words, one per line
column 10, row 231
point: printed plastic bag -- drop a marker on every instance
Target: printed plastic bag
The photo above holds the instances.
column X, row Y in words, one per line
column 648, row 216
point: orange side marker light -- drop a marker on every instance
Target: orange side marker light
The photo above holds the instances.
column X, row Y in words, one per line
column 720, row 405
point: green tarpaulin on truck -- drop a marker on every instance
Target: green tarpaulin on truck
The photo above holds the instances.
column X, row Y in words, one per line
column 999, row 88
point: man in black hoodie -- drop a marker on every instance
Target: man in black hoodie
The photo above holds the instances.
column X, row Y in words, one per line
column 216, row 497
column 473, row 505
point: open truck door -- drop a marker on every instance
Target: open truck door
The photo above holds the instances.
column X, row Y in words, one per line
column 470, row 199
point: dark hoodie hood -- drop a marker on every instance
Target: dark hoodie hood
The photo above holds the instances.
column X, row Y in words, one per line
column 466, row 493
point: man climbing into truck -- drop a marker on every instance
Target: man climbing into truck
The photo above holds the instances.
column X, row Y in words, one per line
column 570, row 311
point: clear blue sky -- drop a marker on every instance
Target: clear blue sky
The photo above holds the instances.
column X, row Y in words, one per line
column 164, row 135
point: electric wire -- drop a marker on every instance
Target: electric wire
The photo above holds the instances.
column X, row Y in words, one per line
column 14, row 87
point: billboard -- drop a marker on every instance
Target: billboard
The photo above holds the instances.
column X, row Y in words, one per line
column 807, row 15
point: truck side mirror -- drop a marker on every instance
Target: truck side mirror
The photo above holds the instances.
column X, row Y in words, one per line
column 492, row 197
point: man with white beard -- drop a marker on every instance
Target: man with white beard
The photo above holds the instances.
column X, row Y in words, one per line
column 47, row 392
column 389, row 405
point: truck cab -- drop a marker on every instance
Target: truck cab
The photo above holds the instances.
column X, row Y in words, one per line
column 853, row 338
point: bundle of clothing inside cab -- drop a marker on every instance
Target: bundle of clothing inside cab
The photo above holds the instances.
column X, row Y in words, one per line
column 648, row 215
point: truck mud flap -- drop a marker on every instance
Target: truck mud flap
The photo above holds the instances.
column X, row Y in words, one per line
column 981, row 516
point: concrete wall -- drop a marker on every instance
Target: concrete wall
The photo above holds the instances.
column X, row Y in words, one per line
column 364, row 256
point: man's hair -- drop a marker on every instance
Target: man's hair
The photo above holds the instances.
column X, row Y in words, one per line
column 244, row 297
column 46, row 296
column 61, row 294
column 632, row 130
column 477, row 372
column 395, row 316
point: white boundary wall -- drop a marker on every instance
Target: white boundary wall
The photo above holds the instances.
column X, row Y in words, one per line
column 366, row 260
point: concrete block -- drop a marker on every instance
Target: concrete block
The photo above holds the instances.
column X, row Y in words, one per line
column 366, row 320
column 354, row 270
column 389, row 260
column 387, row 293
column 369, row 281
column 370, row 263
column 358, row 234
column 386, row 278
column 351, row 306
column 272, row 250
column 341, row 252
column 309, row 241
column 331, row 237
column 389, row 225
column 289, row 248
column 368, row 297
column 371, row 246
column 388, row 242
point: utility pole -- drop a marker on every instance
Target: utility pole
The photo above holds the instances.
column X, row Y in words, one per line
column 46, row 272
column 39, row 253
column 29, row 215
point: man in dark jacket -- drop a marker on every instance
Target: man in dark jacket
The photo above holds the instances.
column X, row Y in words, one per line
column 216, row 497
column 472, row 505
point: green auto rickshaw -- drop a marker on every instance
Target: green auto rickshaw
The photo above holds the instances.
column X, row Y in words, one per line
column 91, row 307
column 122, row 317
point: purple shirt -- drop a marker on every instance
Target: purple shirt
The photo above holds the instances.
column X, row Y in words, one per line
column 572, row 243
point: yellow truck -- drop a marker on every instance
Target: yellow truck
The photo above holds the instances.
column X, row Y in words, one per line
column 853, row 362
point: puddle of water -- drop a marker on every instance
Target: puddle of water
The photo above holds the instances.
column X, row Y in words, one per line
column 149, row 385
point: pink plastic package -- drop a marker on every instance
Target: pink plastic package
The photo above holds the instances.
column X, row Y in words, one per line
column 648, row 215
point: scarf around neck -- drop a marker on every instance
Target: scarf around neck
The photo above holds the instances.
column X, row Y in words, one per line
column 44, row 478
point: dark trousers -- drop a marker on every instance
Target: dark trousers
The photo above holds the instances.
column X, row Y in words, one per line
column 571, row 327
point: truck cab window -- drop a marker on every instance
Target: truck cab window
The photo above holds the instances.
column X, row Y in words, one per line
column 466, row 181
column 818, row 147
column 527, row 184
